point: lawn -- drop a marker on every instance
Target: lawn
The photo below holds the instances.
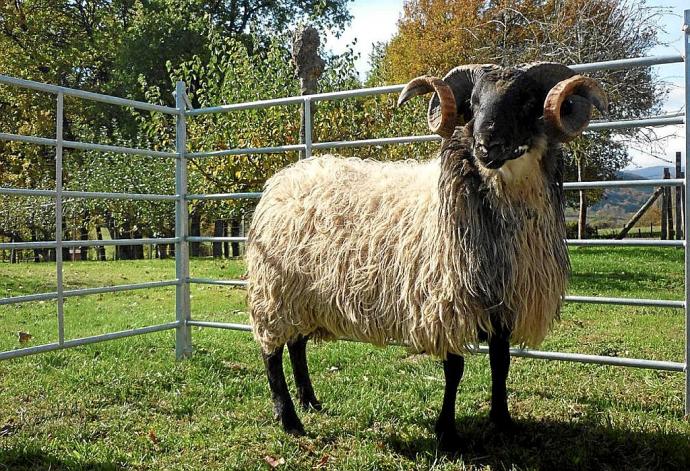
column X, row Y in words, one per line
column 128, row 404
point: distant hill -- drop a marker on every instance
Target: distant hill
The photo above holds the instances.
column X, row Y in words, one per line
column 619, row 204
column 650, row 173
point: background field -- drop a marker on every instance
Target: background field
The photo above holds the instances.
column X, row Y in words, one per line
column 129, row 405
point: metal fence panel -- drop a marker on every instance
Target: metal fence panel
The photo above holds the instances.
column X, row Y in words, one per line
column 184, row 321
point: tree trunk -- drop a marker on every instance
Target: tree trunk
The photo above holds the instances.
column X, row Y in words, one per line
column 137, row 250
column 100, row 250
column 124, row 251
column 162, row 251
column 664, row 209
column 195, row 231
column 235, row 232
column 13, row 252
column 308, row 67
column 37, row 252
column 218, row 232
column 226, row 245
column 84, row 235
column 582, row 219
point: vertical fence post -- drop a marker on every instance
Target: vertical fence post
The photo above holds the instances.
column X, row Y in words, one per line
column 183, row 336
column 58, row 216
column 308, row 133
column 686, row 233
column 677, row 191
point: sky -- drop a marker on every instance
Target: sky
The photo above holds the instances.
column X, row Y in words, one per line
column 375, row 21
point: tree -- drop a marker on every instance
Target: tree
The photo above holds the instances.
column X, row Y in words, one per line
column 125, row 48
column 435, row 35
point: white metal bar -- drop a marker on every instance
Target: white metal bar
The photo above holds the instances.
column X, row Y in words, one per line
column 86, row 340
column 517, row 352
column 221, row 325
column 593, row 126
column 623, row 184
column 224, row 196
column 589, row 67
column 86, row 292
column 215, row 239
column 183, row 333
column 44, row 141
column 628, row 63
column 626, row 301
column 247, row 151
column 626, row 242
column 686, row 40
column 376, row 142
column 209, row 281
column 87, row 194
column 43, row 87
column 58, row 217
column 85, row 243
column 636, row 123
column 596, row 359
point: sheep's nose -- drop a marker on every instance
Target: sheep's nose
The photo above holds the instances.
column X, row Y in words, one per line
column 489, row 145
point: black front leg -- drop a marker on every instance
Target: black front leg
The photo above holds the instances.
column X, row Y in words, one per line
column 447, row 436
column 499, row 358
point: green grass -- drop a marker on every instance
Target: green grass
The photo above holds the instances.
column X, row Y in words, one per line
column 128, row 404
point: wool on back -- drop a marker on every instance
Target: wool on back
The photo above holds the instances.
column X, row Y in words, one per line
column 351, row 248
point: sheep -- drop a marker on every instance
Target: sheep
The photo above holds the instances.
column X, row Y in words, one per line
column 438, row 254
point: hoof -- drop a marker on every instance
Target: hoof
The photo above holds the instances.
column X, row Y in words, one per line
column 311, row 404
column 449, row 443
column 503, row 423
column 294, row 428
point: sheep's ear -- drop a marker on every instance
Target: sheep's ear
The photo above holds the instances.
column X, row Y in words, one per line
column 462, row 80
column 450, row 104
column 568, row 106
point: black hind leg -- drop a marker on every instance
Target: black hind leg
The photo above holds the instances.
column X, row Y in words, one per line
column 282, row 402
column 298, row 357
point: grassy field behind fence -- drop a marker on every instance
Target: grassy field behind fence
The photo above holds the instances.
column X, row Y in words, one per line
column 128, row 404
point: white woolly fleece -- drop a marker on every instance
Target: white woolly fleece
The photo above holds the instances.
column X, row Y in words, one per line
column 351, row 248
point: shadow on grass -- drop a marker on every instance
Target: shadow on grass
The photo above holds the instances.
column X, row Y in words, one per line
column 35, row 460
column 555, row 445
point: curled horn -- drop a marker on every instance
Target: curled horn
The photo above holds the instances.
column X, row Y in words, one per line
column 450, row 104
column 569, row 99
column 442, row 116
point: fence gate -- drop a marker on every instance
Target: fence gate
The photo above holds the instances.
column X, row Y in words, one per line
column 183, row 321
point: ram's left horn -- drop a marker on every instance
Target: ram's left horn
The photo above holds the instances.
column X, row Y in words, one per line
column 442, row 119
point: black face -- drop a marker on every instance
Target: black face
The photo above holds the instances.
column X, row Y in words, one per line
column 508, row 113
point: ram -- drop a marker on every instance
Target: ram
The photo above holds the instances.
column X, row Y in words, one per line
column 438, row 255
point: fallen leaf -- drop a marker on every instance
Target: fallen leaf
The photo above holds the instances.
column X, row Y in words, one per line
column 323, row 462
column 274, row 462
column 153, row 437
column 24, row 337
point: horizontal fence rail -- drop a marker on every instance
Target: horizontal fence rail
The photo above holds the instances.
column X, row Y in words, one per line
column 55, row 89
column 85, row 243
column 45, row 141
column 590, row 67
column 86, row 340
column 87, row 292
column 88, row 194
column 183, row 110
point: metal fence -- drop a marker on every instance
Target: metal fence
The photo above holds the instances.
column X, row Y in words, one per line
column 184, row 321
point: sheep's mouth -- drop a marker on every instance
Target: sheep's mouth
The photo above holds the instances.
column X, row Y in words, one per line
column 518, row 152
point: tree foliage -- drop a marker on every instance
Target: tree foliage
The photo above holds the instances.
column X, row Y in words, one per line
column 436, row 35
